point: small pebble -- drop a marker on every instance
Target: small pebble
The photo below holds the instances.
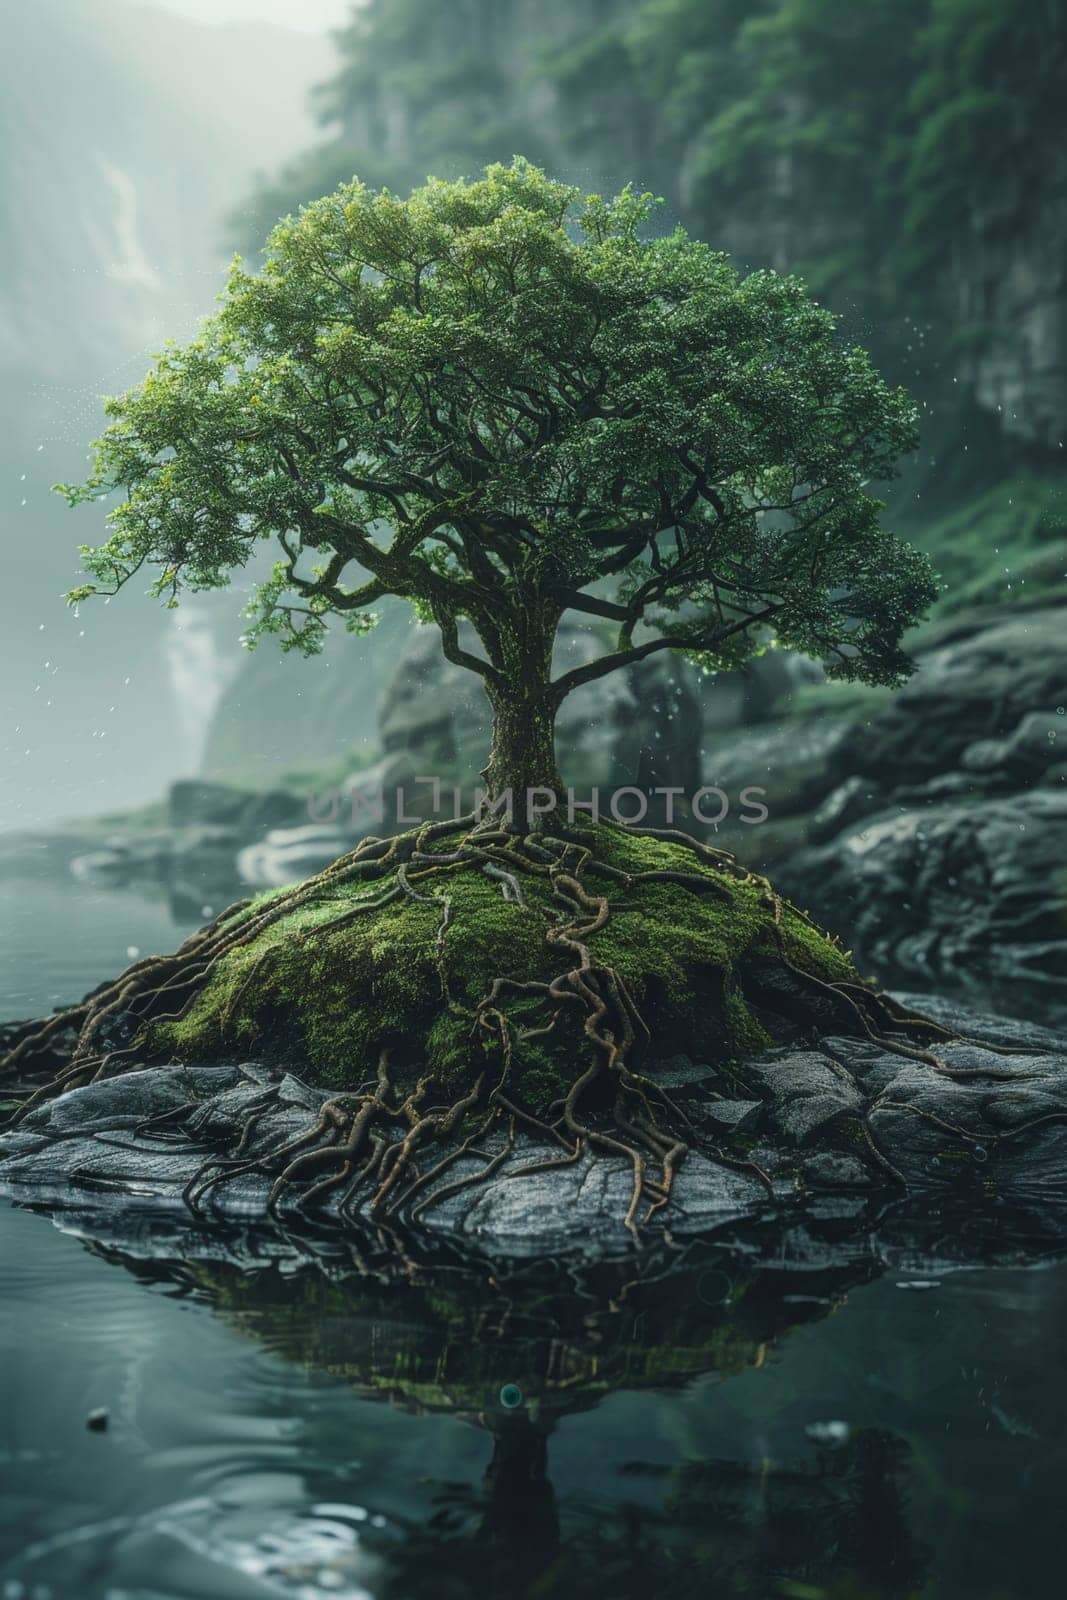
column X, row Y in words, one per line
column 96, row 1421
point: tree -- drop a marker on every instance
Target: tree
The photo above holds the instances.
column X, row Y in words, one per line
column 500, row 401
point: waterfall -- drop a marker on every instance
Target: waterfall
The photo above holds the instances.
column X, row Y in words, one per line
column 202, row 656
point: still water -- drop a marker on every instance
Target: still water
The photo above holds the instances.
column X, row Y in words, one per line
column 281, row 1424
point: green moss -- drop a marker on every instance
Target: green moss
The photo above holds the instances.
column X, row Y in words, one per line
column 1003, row 547
column 331, row 997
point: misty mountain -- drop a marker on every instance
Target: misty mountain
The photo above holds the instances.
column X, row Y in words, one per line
column 126, row 136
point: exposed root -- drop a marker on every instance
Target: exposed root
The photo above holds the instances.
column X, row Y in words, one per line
column 366, row 1142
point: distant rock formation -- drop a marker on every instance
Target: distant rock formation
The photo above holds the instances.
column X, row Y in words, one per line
column 930, row 834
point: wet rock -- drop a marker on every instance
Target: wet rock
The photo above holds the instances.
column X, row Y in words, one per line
column 680, row 1072
column 732, row 1116
column 988, row 1121
column 807, row 1093
column 856, row 797
column 970, row 897
column 926, row 832
column 575, row 1210
column 1024, row 753
column 193, row 802
column 827, row 1170
column 1018, row 1032
column 288, row 854
column 804, row 1074
column 800, row 1120
column 796, row 761
column 983, row 686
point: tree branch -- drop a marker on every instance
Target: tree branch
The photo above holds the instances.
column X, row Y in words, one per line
column 638, row 652
column 592, row 604
column 454, row 652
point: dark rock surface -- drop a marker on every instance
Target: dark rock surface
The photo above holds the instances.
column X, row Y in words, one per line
column 929, row 833
column 977, row 891
column 823, row 1126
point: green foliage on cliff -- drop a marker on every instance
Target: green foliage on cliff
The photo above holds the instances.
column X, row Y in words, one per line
column 880, row 150
column 891, row 153
column 985, row 115
column 863, row 139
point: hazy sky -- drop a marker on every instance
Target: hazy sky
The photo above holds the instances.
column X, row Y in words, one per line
column 309, row 15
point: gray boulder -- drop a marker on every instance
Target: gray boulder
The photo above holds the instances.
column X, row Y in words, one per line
column 985, row 1121
column 971, row 897
column 931, row 837
column 972, row 690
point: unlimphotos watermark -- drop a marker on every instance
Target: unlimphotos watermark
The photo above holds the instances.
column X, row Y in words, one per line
column 708, row 805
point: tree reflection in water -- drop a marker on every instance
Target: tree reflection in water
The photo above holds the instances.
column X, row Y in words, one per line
column 514, row 1353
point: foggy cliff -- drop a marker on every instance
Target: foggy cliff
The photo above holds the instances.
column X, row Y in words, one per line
column 127, row 135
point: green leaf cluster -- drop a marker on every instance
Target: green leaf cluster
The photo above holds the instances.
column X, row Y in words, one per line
column 503, row 399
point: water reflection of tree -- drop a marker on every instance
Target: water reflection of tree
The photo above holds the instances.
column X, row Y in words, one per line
column 838, row 1529
column 514, row 1353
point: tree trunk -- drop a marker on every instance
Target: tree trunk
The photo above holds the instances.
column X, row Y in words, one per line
column 523, row 756
column 524, row 702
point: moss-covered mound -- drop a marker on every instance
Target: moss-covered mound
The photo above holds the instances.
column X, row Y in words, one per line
column 461, row 991
column 340, row 975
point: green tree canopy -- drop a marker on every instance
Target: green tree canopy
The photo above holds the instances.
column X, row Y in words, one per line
column 499, row 400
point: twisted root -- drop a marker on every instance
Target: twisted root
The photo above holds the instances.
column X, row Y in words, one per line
column 371, row 1137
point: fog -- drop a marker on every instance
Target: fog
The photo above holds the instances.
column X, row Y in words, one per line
column 308, row 16
column 130, row 135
